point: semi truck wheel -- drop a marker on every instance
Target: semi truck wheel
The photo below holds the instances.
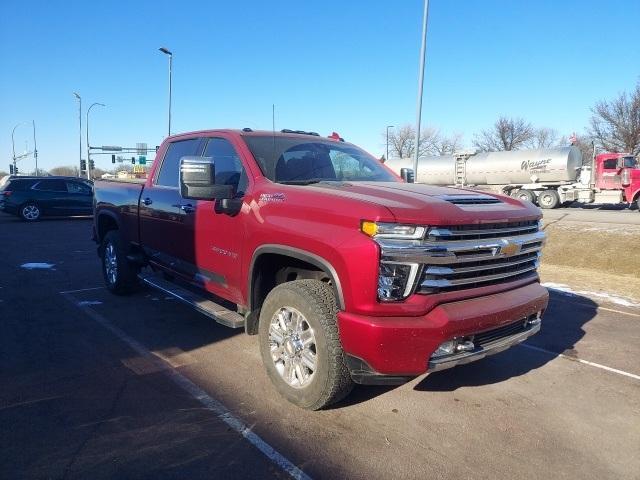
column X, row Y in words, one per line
column 300, row 344
column 527, row 195
column 120, row 276
column 549, row 199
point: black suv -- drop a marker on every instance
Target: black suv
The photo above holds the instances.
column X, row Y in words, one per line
column 33, row 197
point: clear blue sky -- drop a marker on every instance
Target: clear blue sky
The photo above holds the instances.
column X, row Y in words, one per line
column 327, row 65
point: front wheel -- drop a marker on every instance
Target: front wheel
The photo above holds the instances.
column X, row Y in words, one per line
column 300, row 344
column 120, row 275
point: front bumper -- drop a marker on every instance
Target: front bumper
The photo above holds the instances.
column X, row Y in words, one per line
column 392, row 349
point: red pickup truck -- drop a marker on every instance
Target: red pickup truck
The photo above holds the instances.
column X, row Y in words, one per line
column 347, row 273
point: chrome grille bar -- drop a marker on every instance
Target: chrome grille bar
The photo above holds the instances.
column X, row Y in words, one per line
column 437, row 270
column 442, row 283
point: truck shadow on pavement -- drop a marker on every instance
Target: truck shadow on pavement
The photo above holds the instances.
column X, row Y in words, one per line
column 561, row 330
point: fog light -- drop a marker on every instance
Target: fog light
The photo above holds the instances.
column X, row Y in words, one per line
column 446, row 348
column 465, row 346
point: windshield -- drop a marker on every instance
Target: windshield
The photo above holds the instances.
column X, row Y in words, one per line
column 309, row 160
column 630, row 162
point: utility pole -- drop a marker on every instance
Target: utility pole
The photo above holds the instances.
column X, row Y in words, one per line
column 88, row 146
column 80, row 130
column 167, row 52
column 35, row 147
column 423, row 49
column 387, row 157
column 13, row 145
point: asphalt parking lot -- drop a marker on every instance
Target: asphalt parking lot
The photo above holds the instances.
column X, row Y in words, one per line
column 97, row 386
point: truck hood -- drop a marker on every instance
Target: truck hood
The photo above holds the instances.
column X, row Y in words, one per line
column 426, row 204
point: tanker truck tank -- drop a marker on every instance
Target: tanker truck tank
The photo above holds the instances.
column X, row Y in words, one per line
column 519, row 167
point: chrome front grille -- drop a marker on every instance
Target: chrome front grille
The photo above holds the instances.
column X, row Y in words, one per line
column 461, row 257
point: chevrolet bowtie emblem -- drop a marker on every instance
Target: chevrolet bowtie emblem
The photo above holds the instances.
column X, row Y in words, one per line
column 510, row 249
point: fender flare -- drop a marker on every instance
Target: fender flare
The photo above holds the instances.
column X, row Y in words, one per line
column 105, row 213
column 298, row 254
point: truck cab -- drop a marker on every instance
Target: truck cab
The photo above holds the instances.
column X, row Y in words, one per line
column 619, row 173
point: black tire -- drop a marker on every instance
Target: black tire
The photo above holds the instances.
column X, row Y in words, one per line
column 30, row 212
column 527, row 195
column 638, row 204
column 549, row 199
column 316, row 302
column 114, row 253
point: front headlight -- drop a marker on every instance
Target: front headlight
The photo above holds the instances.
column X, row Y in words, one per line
column 392, row 230
column 395, row 280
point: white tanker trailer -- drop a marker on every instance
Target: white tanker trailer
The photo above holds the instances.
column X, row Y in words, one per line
column 549, row 177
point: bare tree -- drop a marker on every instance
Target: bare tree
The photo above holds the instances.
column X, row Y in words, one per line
column 544, row 137
column 402, row 142
column 615, row 124
column 585, row 144
column 64, row 171
column 506, row 134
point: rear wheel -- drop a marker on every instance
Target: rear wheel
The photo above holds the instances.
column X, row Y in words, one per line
column 549, row 199
column 300, row 344
column 527, row 195
column 120, row 275
column 30, row 212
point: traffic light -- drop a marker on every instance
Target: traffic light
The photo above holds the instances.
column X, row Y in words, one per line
column 113, row 159
column 11, row 169
column 92, row 164
column 133, row 160
column 83, row 165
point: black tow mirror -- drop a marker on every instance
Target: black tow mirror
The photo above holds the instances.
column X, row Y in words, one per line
column 407, row 175
column 198, row 180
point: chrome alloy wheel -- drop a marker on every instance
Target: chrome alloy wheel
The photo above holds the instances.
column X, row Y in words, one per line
column 31, row 212
column 293, row 347
column 111, row 263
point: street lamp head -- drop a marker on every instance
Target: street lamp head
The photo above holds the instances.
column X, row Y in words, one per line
column 165, row 51
column 77, row 96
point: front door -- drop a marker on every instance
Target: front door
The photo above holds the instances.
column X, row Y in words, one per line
column 161, row 232
column 609, row 175
column 213, row 253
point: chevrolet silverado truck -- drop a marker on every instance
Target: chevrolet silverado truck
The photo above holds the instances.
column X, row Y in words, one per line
column 346, row 273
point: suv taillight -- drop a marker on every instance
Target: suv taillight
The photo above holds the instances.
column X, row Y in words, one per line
column 6, row 193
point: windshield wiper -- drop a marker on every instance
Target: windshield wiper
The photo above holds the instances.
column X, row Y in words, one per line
column 307, row 181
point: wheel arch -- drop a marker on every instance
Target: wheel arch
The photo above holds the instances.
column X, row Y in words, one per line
column 105, row 222
column 321, row 264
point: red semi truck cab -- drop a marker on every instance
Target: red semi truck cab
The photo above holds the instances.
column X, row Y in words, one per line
column 346, row 273
column 619, row 172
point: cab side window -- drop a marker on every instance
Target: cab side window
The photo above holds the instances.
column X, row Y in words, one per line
column 229, row 169
column 170, row 169
column 610, row 164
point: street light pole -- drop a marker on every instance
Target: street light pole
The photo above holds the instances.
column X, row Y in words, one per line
column 13, row 145
column 388, row 127
column 167, row 52
column 423, row 49
column 35, row 147
column 88, row 146
column 80, row 130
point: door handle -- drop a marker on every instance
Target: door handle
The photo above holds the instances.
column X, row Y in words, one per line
column 147, row 201
column 188, row 208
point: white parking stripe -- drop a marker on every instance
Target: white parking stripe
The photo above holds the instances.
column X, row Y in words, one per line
column 586, row 362
column 196, row 392
column 81, row 290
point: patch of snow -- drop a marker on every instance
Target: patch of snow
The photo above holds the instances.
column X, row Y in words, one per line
column 86, row 303
column 37, row 266
column 566, row 290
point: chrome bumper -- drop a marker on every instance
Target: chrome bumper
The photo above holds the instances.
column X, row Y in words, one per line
column 498, row 346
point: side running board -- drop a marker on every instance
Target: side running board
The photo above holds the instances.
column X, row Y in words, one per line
column 205, row 306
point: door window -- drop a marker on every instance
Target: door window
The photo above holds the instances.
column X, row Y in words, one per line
column 77, row 187
column 229, row 169
column 169, row 170
column 610, row 164
column 51, row 186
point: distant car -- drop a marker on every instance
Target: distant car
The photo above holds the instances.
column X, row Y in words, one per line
column 33, row 197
